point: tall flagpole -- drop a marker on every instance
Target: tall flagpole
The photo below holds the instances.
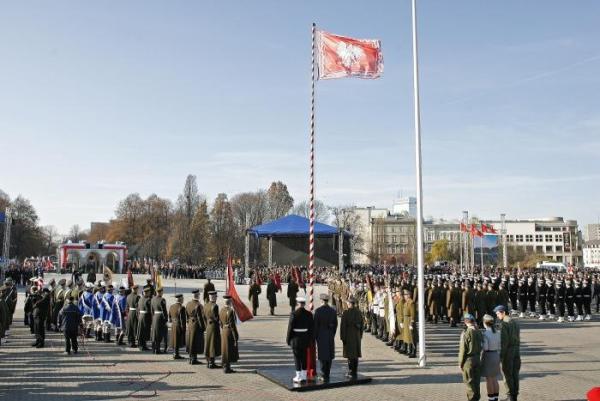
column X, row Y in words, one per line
column 420, row 266
column 311, row 238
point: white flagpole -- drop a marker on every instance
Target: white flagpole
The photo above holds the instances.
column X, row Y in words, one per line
column 420, row 266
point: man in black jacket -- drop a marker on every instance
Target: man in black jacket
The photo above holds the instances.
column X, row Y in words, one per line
column 70, row 320
column 299, row 337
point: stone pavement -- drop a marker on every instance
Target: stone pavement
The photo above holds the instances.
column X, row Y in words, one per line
column 560, row 362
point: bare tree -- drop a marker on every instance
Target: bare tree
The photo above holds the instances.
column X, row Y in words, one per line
column 252, row 206
column 222, row 227
column 345, row 218
column 321, row 210
column 50, row 238
column 280, row 201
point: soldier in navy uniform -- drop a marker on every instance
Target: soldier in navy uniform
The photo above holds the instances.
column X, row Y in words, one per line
column 299, row 336
column 560, row 300
column 513, row 293
column 541, row 294
column 325, row 329
column 523, row 291
column 551, row 298
column 586, row 292
column 570, row 300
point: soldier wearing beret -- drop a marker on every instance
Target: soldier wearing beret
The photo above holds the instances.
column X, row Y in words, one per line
column 469, row 360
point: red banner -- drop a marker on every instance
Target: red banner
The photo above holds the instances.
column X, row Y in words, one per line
column 341, row 57
column 241, row 310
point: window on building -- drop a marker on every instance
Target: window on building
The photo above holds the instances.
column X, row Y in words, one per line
column 556, row 229
column 558, row 238
column 539, row 238
column 559, row 248
column 529, row 238
column 539, row 248
column 394, row 239
column 548, row 237
column 519, row 237
column 548, row 248
column 510, row 238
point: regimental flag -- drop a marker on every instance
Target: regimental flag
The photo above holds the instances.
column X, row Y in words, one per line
column 277, row 280
column 488, row 229
column 297, row 275
column 241, row 310
column 158, row 282
column 342, row 57
column 108, row 274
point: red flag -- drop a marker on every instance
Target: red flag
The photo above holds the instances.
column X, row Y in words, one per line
column 341, row 57
column 475, row 232
column 488, row 229
column 278, row 281
column 241, row 310
column 298, row 277
column 129, row 279
column 463, row 228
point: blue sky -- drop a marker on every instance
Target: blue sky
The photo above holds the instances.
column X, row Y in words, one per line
column 101, row 99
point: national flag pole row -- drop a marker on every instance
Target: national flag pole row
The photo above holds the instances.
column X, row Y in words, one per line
column 471, row 232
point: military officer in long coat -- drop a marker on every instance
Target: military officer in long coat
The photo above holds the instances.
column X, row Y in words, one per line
column 133, row 300
column 158, row 307
column 144, row 319
column 194, row 339
column 208, row 288
column 299, row 336
column 408, row 324
column 453, row 304
column 212, row 347
column 272, row 296
column 253, row 293
column 229, row 336
column 178, row 320
column 351, row 329
column 325, row 328
column 292, row 291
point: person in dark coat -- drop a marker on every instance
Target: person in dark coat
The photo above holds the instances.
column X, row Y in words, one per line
column 351, row 329
column 196, row 326
column 178, row 320
column 133, row 300
column 300, row 334
column 253, row 293
column 325, row 328
column 272, row 296
column 208, row 288
column 91, row 277
column 292, row 291
column 144, row 320
column 69, row 319
column 229, row 336
column 212, row 347
column 158, row 307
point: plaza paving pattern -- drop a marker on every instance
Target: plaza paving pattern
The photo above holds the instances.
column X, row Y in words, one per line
column 560, row 362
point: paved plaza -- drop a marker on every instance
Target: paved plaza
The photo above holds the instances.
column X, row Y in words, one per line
column 560, row 362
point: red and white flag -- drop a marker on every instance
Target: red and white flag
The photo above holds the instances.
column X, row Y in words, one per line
column 241, row 310
column 488, row 229
column 341, row 57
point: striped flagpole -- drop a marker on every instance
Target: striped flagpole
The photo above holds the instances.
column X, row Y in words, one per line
column 311, row 238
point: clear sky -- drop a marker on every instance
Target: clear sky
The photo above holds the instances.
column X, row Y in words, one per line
column 101, row 99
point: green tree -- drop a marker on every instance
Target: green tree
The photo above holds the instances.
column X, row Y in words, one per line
column 440, row 251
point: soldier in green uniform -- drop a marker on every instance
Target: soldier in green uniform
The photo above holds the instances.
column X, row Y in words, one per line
column 351, row 329
column 468, row 299
column 408, row 325
column 453, row 303
column 469, row 357
column 480, row 303
column 491, row 299
column 194, row 340
column 133, row 300
column 212, row 347
column 178, row 320
column 399, row 308
column 229, row 336
column 158, row 306
column 510, row 353
column 144, row 320
column 253, row 293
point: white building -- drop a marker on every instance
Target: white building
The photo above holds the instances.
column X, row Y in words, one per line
column 591, row 253
column 365, row 230
column 554, row 237
column 406, row 206
column 591, row 232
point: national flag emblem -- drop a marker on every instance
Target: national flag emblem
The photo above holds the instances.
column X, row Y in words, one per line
column 341, row 57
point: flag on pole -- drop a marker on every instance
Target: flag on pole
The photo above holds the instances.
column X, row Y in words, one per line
column 108, row 274
column 298, row 277
column 241, row 310
column 158, row 282
column 488, row 229
column 463, row 227
column 342, row 57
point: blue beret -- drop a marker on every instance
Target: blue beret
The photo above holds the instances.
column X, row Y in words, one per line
column 499, row 308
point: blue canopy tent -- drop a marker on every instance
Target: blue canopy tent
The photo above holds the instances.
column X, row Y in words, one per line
column 289, row 236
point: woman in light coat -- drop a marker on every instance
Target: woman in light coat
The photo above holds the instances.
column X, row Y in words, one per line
column 491, row 358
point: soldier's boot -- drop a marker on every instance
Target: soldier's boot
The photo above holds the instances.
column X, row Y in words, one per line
column 107, row 337
column 176, row 355
column 272, row 311
column 413, row 351
column 400, row 345
column 88, row 332
column 297, row 378
column 99, row 335
column 120, row 337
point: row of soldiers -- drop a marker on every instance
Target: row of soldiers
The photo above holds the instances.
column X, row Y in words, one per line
column 201, row 329
column 8, row 303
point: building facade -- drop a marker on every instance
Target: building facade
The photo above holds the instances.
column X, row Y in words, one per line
column 591, row 254
column 591, row 232
column 554, row 237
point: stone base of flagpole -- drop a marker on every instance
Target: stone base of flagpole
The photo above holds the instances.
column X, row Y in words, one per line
column 282, row 376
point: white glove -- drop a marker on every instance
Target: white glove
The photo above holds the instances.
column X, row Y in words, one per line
column 401, row 325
